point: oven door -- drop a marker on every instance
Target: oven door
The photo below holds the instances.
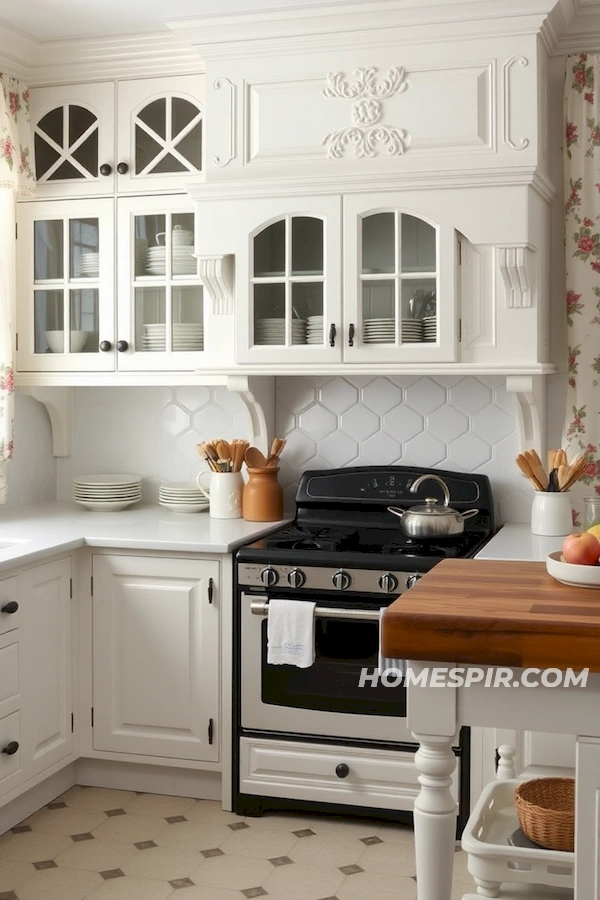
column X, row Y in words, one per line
column 325, row 699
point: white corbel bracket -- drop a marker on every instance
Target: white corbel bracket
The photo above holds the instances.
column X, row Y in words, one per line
column 515, row 264
column 216, row 274
column 59, row 406
column 530, row 396
column 257, row 393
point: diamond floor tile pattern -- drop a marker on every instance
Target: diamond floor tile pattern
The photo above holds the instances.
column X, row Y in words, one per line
column 118, row 845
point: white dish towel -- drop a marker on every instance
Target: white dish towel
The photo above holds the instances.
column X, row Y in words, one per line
column 291, row 633
column 387, row 662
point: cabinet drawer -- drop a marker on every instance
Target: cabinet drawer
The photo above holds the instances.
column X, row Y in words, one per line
column 297, row 771
column 9, row 673
column 10, row 764
column 8, row 594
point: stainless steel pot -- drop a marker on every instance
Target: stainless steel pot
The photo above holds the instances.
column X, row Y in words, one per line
column 434, row 520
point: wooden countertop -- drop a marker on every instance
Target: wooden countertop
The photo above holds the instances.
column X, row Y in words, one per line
column 495, row 612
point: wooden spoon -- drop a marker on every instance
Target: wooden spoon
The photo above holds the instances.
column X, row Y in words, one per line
column 254, row 458
column 224, row 452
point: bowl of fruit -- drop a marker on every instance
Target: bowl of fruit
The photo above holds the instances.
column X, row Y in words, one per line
column 578, row 562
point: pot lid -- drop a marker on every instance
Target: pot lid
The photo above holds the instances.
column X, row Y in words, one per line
column 432, row 508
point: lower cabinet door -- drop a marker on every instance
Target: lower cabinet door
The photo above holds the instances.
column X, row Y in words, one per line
column 156, row 656
column 10, row 752
column 385, row 779
column 46, row 647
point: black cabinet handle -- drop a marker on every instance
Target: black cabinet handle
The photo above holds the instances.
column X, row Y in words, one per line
column 11, row 748
column 10, row 607
column 342, row 771
column 332, row 333
column 210, row 731
column 210, row 590
column 122, row 168
column 105, row 346
column 351, row 335
column 122, row 346
column 105, row 169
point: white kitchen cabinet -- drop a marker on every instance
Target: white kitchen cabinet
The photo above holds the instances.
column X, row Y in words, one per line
column 139, row 135
column 45, row 600
column 156, row 656
column 76, row 314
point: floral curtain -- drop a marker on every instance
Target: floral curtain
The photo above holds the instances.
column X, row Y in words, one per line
column 582, row 248
column 16, row 177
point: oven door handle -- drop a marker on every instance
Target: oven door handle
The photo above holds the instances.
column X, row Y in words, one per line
column 261, row 608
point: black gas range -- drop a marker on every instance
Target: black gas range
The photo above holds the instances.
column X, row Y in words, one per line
column 330, row 737
column 343, row 537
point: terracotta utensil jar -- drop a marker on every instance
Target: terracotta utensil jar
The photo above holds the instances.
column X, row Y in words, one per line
column 262, row 497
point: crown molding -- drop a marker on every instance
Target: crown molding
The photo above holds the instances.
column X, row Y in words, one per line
column 281, row 31
column 93, row 59
column 583, row 34
column 326, row 184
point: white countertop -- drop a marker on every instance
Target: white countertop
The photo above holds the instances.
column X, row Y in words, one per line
column 517, row 542
column 62, row 526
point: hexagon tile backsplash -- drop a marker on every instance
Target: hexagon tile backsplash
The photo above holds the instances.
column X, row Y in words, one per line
column 448, row 422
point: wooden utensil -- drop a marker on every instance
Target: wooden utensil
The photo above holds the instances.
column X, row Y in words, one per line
column 275, row 452
column 537, row 468
column 224, row 454
column 254, row 458
column 525, row 467
column 212, row 464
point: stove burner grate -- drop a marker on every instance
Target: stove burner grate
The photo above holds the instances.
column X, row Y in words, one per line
column 298, row 537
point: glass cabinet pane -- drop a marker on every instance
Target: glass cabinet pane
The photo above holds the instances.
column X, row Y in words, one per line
column 378, row 243
column 168, row 137
column 66, row 318
column 66, row 144
column 168, row 313
column 398, row 279
column 418, row 245
column 289, row 282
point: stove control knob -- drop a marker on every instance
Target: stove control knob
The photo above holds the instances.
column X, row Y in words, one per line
column 296, row 578
column 412, row 579
column 269, row 577
column 388, row 582
column 341, row 580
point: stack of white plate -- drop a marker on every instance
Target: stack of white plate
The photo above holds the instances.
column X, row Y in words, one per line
column 89, row 265
column 314, row 330
column 272, row 331
column 141, row 255
column 182, row 497
column 379, row 331
column 187, row 336
column 430, row 328
column 412, row 331
column 107, row 492
column 184, row 262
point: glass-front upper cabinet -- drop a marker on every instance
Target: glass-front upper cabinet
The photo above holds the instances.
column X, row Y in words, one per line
column 157, row 144
column 293, row 277
column 397, row 302
column 161, row 302
column 65, row 285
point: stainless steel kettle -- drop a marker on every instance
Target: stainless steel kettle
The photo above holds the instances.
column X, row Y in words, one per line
column 434, row 520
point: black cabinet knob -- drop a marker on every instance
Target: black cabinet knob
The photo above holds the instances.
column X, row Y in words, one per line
column 11, row 748
column 105, row 346
column 122, row 168
column 122, row 346
column 342, row 770
column 105, row 169
column 10, row 607
column 351, row 335
column 332, row 333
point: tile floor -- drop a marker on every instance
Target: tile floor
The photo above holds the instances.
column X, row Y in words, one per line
column 120, row 845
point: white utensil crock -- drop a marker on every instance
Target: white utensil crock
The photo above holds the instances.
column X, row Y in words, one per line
column 224, row 494
column 551, row 513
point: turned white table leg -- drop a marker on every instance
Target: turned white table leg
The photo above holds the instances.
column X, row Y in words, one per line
column 434, row 817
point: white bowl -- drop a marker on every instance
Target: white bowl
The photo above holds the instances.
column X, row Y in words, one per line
column 572, row 574
column 56, row 341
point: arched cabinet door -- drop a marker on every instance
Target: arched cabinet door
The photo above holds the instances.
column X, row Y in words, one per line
column 73, row 139
column 399, row 279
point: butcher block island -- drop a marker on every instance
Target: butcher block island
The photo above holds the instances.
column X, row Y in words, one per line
column 509, row 620
column 495, row 613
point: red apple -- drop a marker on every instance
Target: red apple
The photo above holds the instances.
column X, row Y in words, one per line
column 581, row 548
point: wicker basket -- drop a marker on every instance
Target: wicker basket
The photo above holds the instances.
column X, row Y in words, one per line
column 546, row 811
